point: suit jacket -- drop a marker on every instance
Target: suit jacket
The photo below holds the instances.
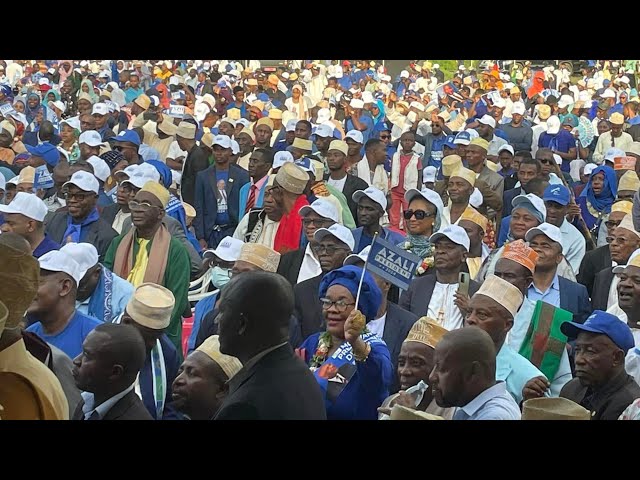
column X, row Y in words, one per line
column 290, row 263
column 417, row 298
column 109, row 213
column 308, row 309
column 507, row 198
column 278, row 387
column 575, row 299
column 205, row 199
column 172, row 364
column 351, row 184
column 601, row 285
column 244, row 196
column 396, row 328
column 496, row 182
column 389, row 235
column 98, row 233
column 594, row 261
column 197, row 160
column 129, row 407
column 609, row 401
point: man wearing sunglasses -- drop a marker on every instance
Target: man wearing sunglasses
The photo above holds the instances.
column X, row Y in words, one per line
column 81, row 222
column 128, row 143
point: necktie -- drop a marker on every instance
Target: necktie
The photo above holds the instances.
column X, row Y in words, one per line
column 252, row 198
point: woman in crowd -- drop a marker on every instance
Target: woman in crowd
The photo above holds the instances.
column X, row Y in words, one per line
column 351, row 365
column 70, row 134
column 597, row 197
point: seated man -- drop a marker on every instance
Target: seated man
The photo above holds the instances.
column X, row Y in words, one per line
column 101, row 294
column 464, row 376
column 492, row 309
column 602, row 385
column 202, row 382
column 53, row 311
column 111, row 358
column 149, row 310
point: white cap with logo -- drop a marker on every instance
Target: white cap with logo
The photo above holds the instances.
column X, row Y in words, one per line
column 26, row 204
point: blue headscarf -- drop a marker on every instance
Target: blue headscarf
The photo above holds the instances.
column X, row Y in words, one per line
column 349, row 277
column 163, row 170
column 605, row 199
column 381, row 113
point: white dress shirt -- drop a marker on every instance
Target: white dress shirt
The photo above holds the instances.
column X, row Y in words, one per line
column 88, row 408
column 377, row 326
column 573, row 245
column 442, row 301
column 310, row 266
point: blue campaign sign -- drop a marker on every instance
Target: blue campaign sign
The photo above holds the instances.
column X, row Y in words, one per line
column 392, row 263
column 42, row 178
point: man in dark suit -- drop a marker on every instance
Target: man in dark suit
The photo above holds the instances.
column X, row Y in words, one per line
column 112, row 355
column 438, row 296
column 273, row 383
column 338, row 176
column 81, row 222
column 529, row 169
column 624, row 241
column 334, row 245
column 197, row 160
column 217, row 198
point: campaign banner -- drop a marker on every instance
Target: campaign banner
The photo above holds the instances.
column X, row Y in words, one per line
column 42, row 178
column 392, row 263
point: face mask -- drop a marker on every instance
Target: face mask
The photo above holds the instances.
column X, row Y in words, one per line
column 220, row 277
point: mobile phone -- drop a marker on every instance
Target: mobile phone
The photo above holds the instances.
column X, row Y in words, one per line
column 463, row 283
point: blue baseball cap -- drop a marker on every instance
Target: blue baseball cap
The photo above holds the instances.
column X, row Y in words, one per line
column 48, row 152
column 463, row 138
column 449, row 141
column 263, row 97
column 557, row 193
column 606, row 324
column 127, row 136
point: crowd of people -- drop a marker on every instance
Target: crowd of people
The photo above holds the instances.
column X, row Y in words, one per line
column 191, row 240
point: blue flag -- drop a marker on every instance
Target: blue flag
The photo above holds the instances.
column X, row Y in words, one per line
column 392, row 263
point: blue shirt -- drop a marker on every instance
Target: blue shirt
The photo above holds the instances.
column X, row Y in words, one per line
column 436, row 148
column 130, row 94
column 551, row 296
column 46, row 245
column 366, row 120
column 495, row 403
column 121, row 293
column 515, row 370
column 222, row 177
column 70, row 339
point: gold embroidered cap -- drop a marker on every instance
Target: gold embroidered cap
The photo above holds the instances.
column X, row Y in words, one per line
column 211, row 348
column 261, row 256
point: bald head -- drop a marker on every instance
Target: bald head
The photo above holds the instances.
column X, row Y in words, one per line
column 468, row 345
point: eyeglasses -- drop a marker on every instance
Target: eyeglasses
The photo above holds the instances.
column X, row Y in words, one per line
column 144, row 206
column 611, row 224
column 328, row 249
column 77, row 196
column 340, row 305
column 383, row 137
column 419, row 214
column 318, row 222
column 548, row 162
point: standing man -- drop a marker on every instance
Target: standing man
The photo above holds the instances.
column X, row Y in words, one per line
column 477, row 161
column 252, row 194
column 519, row 134
column 486, row 127
column 615, row 138
column 197, row 160
column 372, row 205
column 254, row 325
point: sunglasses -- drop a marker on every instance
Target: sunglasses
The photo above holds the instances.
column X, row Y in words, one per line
column 419, row 214
column 382, row 137
column 548, row 162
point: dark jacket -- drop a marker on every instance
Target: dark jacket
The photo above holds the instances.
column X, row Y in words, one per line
column 197, row 160
column 601, row 286
column 594, row 261
column 396, row 328
column 98, row 233
column 278, row 387
column 416, row 299
column 206, row 204
column 575, row 299
column 609, row 401
column 290, row 263
column 172, row 364
column 108, row 213
column 393, row 237
column 507, row 198
column 129, row 407
column 308, row 309
column 352, row 184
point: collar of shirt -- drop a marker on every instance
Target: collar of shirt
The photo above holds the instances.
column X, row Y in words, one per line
column 499, row 389
column 555, row 285
column 256, row 358
column 261, row 182
column 88, row 408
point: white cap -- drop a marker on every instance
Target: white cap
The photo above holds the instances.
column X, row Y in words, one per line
column 506, row 147
column 340, row 232
column 280, row 158
column 324, row 115
column 73, row 122
column 612, row 153
column 404, row 74
column 565, row 101
column 589, row 167
column 228, row 249
column 500, row 103
column 143, row 174
column 374, row 194
column 222, row 140
column 356, row 103
column 235, row 147
column 531, row 199
column 26, row 204
column 430, row 196
column 324, row 131
column 100, row 168
column 3, row 182
column 620, row 268
column 429, row 174
column 59, row 261
column 476, row 199
column 84, row 181
column 553, row 124
column 355, row 135
column 455, row 233
column 91, row 138
column 44, row 81
column 100, row 109
column 14, row 180
column 518, row 108
column 417, row 106
column 128, row 171
column 608, row 93
column 488, row 120
column 322, row 207
column 357, row 258
column 59, row 105
column 367, row 97
column 291, row 125
column 104, row 74
column 462, row 67
column 243, row 121
column 624, row 79
column 547, row 229
column 85, row 255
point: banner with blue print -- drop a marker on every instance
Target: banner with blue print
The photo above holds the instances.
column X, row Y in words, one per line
column 392, row 263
